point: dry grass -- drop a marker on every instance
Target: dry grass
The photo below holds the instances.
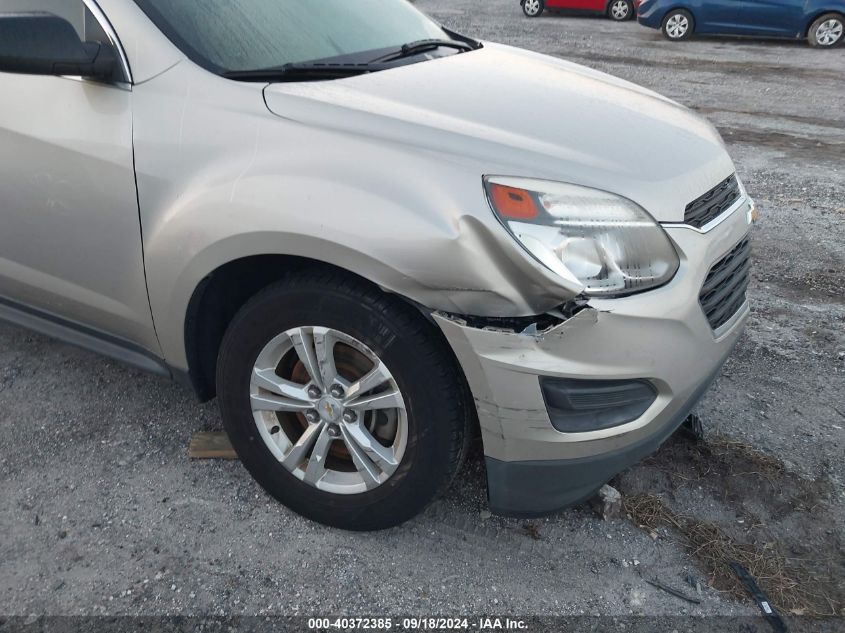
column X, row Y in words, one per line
column 793, row 585
column 720, row 456
column 727, row 450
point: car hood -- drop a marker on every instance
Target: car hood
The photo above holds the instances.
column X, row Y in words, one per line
column 513, row 112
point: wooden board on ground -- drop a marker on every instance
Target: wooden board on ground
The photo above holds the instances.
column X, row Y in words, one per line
column 211, row 445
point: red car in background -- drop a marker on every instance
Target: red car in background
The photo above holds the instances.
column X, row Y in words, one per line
column 618, row 10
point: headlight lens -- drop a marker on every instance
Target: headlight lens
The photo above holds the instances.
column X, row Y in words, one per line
column 606, row 243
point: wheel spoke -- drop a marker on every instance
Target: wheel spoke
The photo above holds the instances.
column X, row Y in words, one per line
column 268, row 379
column 363, row 464
column 317, row 462
column 324, row 343
column 304, row 444
column 390, row 399
column 359, row 435
column 303, row 343
column 269, row 402
column 376, row 376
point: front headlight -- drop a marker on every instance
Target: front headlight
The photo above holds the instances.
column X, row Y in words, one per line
column 606, row 243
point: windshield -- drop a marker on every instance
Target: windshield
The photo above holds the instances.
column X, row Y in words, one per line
column 237, row 35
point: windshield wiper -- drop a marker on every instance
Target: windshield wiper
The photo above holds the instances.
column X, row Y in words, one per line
column 422, row 46
column 322, row 70
column 305, row 71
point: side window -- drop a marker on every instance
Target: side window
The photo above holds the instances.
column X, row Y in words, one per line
column 76, row 12
column 71, row 10
column 93, row 31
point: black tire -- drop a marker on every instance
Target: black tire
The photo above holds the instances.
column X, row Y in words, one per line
column 615, row 10
column 817, row 31
column 423, row 366
column 676, row 36
column 533, row 8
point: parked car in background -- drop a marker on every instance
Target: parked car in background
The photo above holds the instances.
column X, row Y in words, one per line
column 337, row 218
column 619, row 10
column 821, row 22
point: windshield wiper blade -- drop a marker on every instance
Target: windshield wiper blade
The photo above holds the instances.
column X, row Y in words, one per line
column 421, row 46
column 317, row 70
column 304, row 71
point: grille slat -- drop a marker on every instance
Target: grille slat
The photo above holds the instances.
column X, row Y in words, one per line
column 730, row 289
column 729, row 308
column 723, row 291
column 727, row 270
column 712, row 204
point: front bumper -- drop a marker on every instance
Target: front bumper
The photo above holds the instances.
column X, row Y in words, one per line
column 661, row 336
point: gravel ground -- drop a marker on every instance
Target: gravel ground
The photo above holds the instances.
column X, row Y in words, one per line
column 103, row 513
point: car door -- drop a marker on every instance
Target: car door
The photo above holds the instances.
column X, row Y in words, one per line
column 70, row 237
column 770, row 17
column 716, row 16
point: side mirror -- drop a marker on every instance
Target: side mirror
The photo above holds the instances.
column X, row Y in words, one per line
column 39, row 43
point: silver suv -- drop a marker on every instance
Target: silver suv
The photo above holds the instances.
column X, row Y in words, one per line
column 371, row 238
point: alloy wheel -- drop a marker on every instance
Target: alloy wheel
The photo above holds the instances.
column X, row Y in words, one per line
column 329, row 410
column 531, row 7
column 619, row 9
column 829, row 32
column 677, row 26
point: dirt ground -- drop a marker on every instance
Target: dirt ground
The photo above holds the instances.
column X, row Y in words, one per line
column 103, row 513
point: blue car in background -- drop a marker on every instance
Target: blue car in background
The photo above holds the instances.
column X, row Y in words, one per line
column 821, row 22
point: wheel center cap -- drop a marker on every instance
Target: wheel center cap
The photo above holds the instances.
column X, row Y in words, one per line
column 329, row 409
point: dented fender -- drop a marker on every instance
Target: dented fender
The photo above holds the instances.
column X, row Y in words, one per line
column 415, row 223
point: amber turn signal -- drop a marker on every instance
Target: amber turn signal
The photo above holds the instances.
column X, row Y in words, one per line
column 512, row 203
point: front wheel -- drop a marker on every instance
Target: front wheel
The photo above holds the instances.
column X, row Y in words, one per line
column 828, row 31
column 342, row 401
column 678, row 25
column 533, row 8
column 620, row 10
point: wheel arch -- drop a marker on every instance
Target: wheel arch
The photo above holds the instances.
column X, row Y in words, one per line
column 440, row 275
column 217, row 297
column 607, row 4
column 682, row 7
column 815, row 15
column 676, row 6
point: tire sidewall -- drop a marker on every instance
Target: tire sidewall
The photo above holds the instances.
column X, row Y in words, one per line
column 426, row 454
